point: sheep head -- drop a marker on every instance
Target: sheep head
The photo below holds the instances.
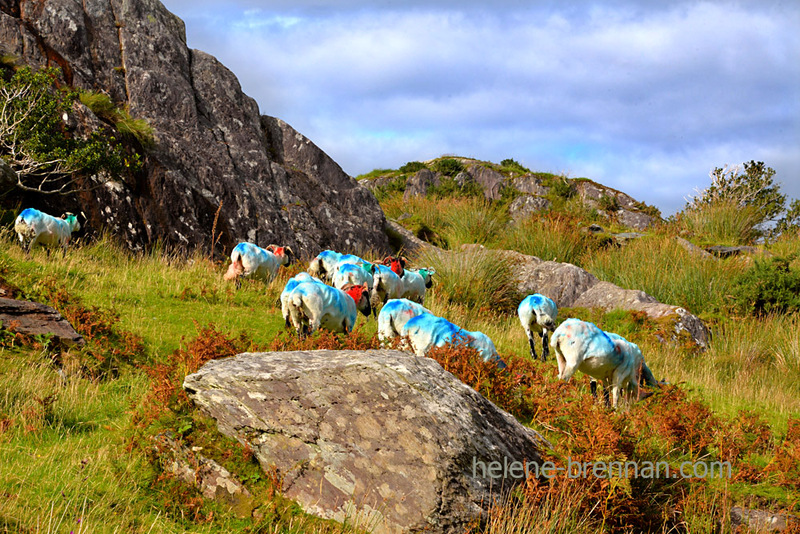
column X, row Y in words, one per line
column 285, row 254
column 396, row 264
column 360, row 294
column 235, row 270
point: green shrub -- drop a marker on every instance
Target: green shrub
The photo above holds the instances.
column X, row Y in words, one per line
column 549, row 237
column 33, row 140
column 475, row 221
column 562, row 187
column 448, row 166
column 412, row 167
column 510, row 165
column 608, row 203
column 769, row 286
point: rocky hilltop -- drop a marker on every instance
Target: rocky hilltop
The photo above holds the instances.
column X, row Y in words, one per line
column 212, row 145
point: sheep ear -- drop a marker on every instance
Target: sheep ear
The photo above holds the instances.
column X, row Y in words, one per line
column 431, row 270
column 403, row 261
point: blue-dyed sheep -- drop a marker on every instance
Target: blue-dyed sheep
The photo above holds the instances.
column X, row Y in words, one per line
column 324, row 265
column 290, row 285
column 34, row 227
column 415, row 282
column 313, row 305
column 538, row 313
column 249, row 260
column 426, row 331
column 353, row 274
column 394, row 315
column 582, row 346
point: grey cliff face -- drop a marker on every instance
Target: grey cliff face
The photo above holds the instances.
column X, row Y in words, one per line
column 381, row 437
column 212, row 144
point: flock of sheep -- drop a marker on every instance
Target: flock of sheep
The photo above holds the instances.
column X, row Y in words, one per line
column 308, row 303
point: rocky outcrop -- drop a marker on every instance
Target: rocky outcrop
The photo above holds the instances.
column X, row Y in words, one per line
column 381, row 438
column 627, row 211
column 212, row 146
column 418, row 185
column 33, row 318
column 490, row 180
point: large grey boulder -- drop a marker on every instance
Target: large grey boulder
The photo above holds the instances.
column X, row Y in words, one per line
column 382, row 438
column 212, row 144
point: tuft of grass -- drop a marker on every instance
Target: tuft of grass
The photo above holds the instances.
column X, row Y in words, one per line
column 722, row 223
column 477, row 279
column 102, row 106
column 551, row 237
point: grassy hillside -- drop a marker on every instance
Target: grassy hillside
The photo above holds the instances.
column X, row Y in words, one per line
column 76, row 426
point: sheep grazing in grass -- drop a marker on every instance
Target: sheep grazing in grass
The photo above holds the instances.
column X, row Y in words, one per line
column 249, row 260
column 645, row 374
column 290, row 285
column 394, row 315
column 538, row 313
column 313, row 305
column 386, row 285
column 415, row 282
column 324, row 265
column 34, row 227
column 353, row 274
column 426, row 331
column 582, row 346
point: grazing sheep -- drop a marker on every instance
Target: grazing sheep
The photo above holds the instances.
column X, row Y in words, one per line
column 249, row 260
column 324, row 265
column 645, row 375
column 385, row 285
column 427, row 330
column 290, row 285
column 34, row 227
column 394, row 315
column 415, row 282
column 538, row 313
column 582, row 346
column 351, row 273
column 313, row 305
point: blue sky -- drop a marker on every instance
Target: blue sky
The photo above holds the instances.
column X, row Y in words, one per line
column 646, row 97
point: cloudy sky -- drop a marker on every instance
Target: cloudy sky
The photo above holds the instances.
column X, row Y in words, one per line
column 646, row 97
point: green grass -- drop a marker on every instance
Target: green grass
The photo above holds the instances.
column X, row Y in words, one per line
column 67, row 453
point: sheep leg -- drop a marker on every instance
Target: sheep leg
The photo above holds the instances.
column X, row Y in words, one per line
column 545, row 346
column 532, row 344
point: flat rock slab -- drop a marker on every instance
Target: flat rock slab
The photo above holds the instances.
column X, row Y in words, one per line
column 378, row 438
column 33, row 318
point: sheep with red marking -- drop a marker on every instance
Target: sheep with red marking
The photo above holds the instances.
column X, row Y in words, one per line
column 249, row 260
column 394, row 315
column 426, row 331
column 34, row 227
column 537, row 314
column 582, row 346
column 416, row 282
column 313, row 305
